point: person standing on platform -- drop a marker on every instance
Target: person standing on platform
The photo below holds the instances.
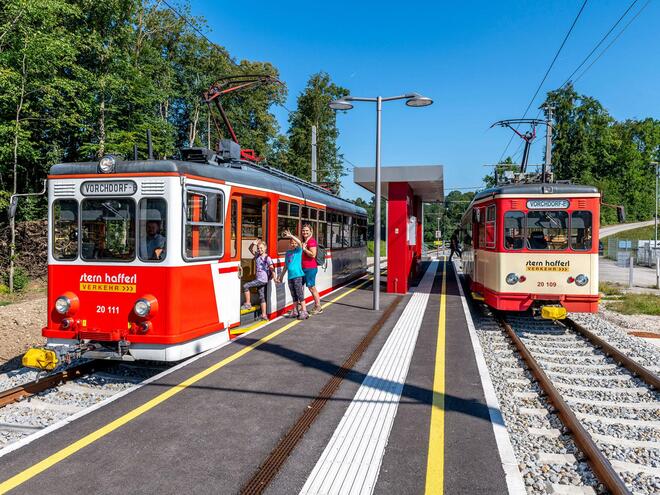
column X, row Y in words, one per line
column 454, row 245
column 264, row 272
column 293, row 265
column 310, row 266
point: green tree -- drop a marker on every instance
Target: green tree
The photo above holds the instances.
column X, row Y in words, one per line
column 504, row 166
column 312, row 110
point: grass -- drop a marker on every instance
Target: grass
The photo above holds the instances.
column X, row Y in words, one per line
column 370, row 248
column 35, row 289
column 610, row 289
column 644, row 233
column 636, row 304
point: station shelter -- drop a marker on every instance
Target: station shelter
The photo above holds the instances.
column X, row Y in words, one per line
column 405, row 189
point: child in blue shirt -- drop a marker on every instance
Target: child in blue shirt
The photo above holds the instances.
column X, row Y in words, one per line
column 293, row 265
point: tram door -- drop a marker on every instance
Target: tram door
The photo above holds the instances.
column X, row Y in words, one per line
column 252, row 226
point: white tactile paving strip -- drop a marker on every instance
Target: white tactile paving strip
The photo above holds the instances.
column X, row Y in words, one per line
column 351, row 461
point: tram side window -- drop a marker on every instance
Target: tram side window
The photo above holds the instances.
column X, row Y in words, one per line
column 322, row 234
column 65, row 229
column 514, row 235
column 204, row 233
column 337, row 221
column 152, row 229
column 547, row 230
column 108, row 229
column 346, row 241
column 481, row 216
column 581, row 231
column 288, row 218
column 490, row 226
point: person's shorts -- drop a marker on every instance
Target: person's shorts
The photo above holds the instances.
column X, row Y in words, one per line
column 310, row 276
column 297, row 289
column 260, row 286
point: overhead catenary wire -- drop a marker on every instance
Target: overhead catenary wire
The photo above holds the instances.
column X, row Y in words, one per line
column 611, row 42
column 547, row 72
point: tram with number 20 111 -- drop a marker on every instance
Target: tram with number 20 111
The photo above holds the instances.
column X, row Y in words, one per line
column 533, row 245
column 146, row 258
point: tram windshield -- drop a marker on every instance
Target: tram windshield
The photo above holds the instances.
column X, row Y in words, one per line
column 581, row 230
column 65, row 229
column 547, row 230
column 108, row 229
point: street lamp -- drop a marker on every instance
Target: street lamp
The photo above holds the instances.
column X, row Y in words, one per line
column 344, row 103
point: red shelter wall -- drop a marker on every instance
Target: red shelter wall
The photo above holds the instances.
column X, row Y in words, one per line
column 402, row 258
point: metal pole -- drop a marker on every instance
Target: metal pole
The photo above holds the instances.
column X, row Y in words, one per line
column 376, row 304
column 630, row 272
column 547, row 167
column 655, row 246
column 314, row 179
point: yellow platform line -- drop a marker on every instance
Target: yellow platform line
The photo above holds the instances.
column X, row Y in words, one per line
column 78, row 445
column 435, row 464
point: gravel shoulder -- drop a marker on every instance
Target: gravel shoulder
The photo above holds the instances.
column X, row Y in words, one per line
column 20, row 328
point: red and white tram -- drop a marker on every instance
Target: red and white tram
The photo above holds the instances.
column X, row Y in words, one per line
column 534, row 245
column 146, row 258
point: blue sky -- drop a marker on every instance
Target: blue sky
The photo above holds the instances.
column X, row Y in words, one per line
column 479, row 61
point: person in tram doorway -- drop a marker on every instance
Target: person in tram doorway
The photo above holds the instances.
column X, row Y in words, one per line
column 152, row 246
column 454, row 245
column 265, row 269
column 310, row 266
column 293, row 265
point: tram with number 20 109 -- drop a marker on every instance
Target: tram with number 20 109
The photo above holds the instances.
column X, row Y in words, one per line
column 146, row 258
column 534, row 245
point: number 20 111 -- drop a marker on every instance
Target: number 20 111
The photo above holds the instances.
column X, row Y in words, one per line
column 112, row 310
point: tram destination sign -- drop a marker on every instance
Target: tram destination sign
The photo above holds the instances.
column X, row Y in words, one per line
column 543, row 204
column 109, row 188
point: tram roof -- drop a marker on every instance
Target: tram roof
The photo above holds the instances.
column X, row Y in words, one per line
column 547, row 188
column 242, row 172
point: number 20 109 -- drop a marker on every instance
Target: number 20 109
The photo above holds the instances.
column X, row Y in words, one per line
column 111, row 310
column 546, row 284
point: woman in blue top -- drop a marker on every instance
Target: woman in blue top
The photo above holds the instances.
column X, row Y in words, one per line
column 293, row 265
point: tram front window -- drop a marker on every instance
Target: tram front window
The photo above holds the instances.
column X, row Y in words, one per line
column 581, row 230
column 514, row 235
column 547, row 230
column 108, row 229
column 65, row 229
column 152, row 218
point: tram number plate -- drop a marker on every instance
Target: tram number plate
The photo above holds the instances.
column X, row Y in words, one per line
column 111, row 310
column 546, row 284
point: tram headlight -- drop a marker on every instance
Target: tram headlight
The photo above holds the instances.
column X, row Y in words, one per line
column 62, row 305
column 581, row 280
column 107, row 164
column 512, row 279
column 67, row 304
column 142, row 308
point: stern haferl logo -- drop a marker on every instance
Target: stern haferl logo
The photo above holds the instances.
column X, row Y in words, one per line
column 121, row 282
column 547, row 266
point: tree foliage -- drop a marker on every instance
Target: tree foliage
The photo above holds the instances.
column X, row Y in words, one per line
column 312, row 110
column 591, row 147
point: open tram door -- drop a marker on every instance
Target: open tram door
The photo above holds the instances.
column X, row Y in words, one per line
column 249, row 223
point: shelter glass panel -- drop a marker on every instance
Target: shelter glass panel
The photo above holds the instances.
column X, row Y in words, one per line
column 547, row 230
column 65, row 229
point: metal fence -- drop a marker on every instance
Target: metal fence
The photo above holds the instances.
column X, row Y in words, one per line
column 644, row 252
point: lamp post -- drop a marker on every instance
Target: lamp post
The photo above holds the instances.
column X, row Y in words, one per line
column 412, row 100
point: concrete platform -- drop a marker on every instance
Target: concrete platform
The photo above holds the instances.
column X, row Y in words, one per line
column 208, row 426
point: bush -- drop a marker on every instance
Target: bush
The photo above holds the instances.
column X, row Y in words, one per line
column 21, row 279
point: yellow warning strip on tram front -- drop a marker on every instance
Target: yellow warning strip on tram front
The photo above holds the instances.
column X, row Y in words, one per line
column 60, row 455
column 435, row 463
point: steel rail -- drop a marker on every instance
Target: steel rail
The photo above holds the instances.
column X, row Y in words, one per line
column 633, row 366
column 28, row 389
column 599, row 463
column 271, row 466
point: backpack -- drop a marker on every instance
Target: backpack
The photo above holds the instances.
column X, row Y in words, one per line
column 320, row 255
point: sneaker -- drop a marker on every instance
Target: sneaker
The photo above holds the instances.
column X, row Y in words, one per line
column 292, row 314
column 246, row 306
column 303, row 315
column 263, row 318
column 316, row 310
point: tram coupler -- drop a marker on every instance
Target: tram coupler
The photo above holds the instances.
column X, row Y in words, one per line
column 50, row 358
column 553, row 313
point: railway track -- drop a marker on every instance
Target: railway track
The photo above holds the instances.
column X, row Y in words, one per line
column 608, row 402
column 28, row 407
